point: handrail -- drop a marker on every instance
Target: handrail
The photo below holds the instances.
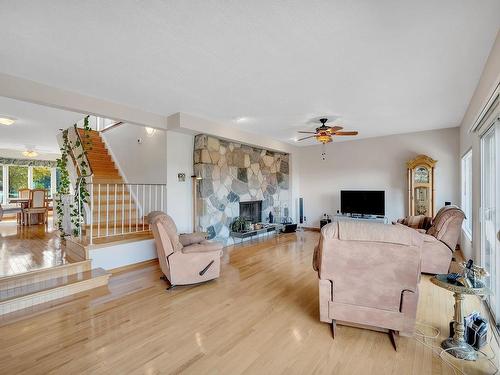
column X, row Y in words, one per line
column 116, row 124
column 128, row 183
column 84, row 153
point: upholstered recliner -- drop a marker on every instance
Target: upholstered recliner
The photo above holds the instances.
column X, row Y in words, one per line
column 185, row 258
column 369, row 275
column 440, row 236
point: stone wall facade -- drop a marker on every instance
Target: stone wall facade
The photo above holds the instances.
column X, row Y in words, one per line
column 232, row 172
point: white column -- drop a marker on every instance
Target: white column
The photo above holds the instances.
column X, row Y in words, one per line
column 53, row 180
column 5, row 179
column 30, row 177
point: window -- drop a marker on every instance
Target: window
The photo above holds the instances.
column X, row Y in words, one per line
column 1, row 184
column 467, row 193
column 18, row 179
column 490, row 215
column 41, row 178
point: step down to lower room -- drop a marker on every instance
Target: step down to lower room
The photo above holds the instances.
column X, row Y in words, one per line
column 28, row 294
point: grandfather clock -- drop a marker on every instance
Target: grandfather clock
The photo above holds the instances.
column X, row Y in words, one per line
column 421, row 189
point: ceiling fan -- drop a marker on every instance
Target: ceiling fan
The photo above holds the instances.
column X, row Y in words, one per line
column 325, row 133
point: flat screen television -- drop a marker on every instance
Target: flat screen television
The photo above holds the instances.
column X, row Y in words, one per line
column 362, row 202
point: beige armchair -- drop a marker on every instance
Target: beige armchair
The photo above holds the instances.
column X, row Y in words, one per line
column 186, row 258
column 440, row 236
column 368, row 276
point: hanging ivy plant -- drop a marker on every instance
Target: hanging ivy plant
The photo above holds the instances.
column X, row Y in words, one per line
column 77, row 209
column 64, row 182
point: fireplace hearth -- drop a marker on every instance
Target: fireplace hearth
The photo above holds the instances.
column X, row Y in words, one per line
column 251, row 211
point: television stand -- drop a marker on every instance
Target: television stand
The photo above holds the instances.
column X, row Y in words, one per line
column 370, row 218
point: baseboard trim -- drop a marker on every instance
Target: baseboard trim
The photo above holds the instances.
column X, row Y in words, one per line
column 312, row 229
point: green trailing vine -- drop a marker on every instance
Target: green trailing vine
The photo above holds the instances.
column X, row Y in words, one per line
column 77, row 209
column 64, row 182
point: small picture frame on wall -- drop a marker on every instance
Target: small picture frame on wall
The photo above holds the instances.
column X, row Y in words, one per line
column 181, row 177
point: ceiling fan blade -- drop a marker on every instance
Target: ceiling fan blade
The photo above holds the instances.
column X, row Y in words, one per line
column 301, row 139
column 335, row 129
column 346, row 133
column 304, row 132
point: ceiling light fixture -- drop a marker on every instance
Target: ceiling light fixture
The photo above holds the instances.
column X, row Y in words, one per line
column 150, row 131
column 30, row 153
column 4, row 120
column 240, row 120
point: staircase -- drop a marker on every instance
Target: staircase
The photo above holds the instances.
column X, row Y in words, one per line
column 101, row 162
column 115, row 213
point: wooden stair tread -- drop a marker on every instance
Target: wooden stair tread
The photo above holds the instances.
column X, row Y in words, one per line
column 7, row 295
column 127, row 237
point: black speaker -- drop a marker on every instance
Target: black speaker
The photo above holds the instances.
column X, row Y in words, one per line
column 301, row 210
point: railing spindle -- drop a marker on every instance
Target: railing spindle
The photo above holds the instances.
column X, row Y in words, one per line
column 99, row 210
column 107, row 210
column 156, row 197
column 114, row 218
column 130, row 209
column 91, row 211
column 143, row 204
column 162, row 199
column 137, row 208
column 123, row 207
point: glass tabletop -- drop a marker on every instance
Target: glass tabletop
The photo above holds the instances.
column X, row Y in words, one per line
column 478, row 287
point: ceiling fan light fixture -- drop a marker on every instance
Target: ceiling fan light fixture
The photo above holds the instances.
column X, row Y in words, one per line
column 4, row 120
column 30, row 153
column 324, row 138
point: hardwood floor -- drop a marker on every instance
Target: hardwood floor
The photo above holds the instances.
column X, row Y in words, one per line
column 28, row 248
column 259, row 317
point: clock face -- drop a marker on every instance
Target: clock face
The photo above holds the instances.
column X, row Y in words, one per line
column 422, row 175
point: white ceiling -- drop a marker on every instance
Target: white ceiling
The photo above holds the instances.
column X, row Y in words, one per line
column 36, row 128
column 384, row 67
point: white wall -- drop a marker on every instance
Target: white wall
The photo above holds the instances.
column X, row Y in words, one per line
column 123, row 254
column 376, row 164
column 157, row 160
column 179, row 194
column 143, row 163
column 488, row 81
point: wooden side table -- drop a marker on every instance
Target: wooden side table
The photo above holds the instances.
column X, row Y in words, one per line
column 456, row 345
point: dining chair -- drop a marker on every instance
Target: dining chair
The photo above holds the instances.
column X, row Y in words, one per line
column 23, row 194
column 37, row 205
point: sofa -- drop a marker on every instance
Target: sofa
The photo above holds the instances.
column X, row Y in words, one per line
column 369, row 275
column 184, row 258
column 440, row 234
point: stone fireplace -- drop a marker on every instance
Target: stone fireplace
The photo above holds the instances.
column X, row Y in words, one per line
column 251, row 211
column 231, row 173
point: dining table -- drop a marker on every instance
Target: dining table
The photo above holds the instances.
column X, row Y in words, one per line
column 25, row 203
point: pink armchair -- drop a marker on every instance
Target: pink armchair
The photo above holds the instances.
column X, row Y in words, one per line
column 440, row 236
column 186, row 258
column 368, row 276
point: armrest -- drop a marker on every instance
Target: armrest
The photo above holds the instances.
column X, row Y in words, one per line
column 187, row 239
column 202, row 247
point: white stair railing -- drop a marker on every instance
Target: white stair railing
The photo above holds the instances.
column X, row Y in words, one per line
column 120, row 209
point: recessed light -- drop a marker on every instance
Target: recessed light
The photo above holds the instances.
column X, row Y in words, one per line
column 7, row 120
column 30, row 153
column 240, row 120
